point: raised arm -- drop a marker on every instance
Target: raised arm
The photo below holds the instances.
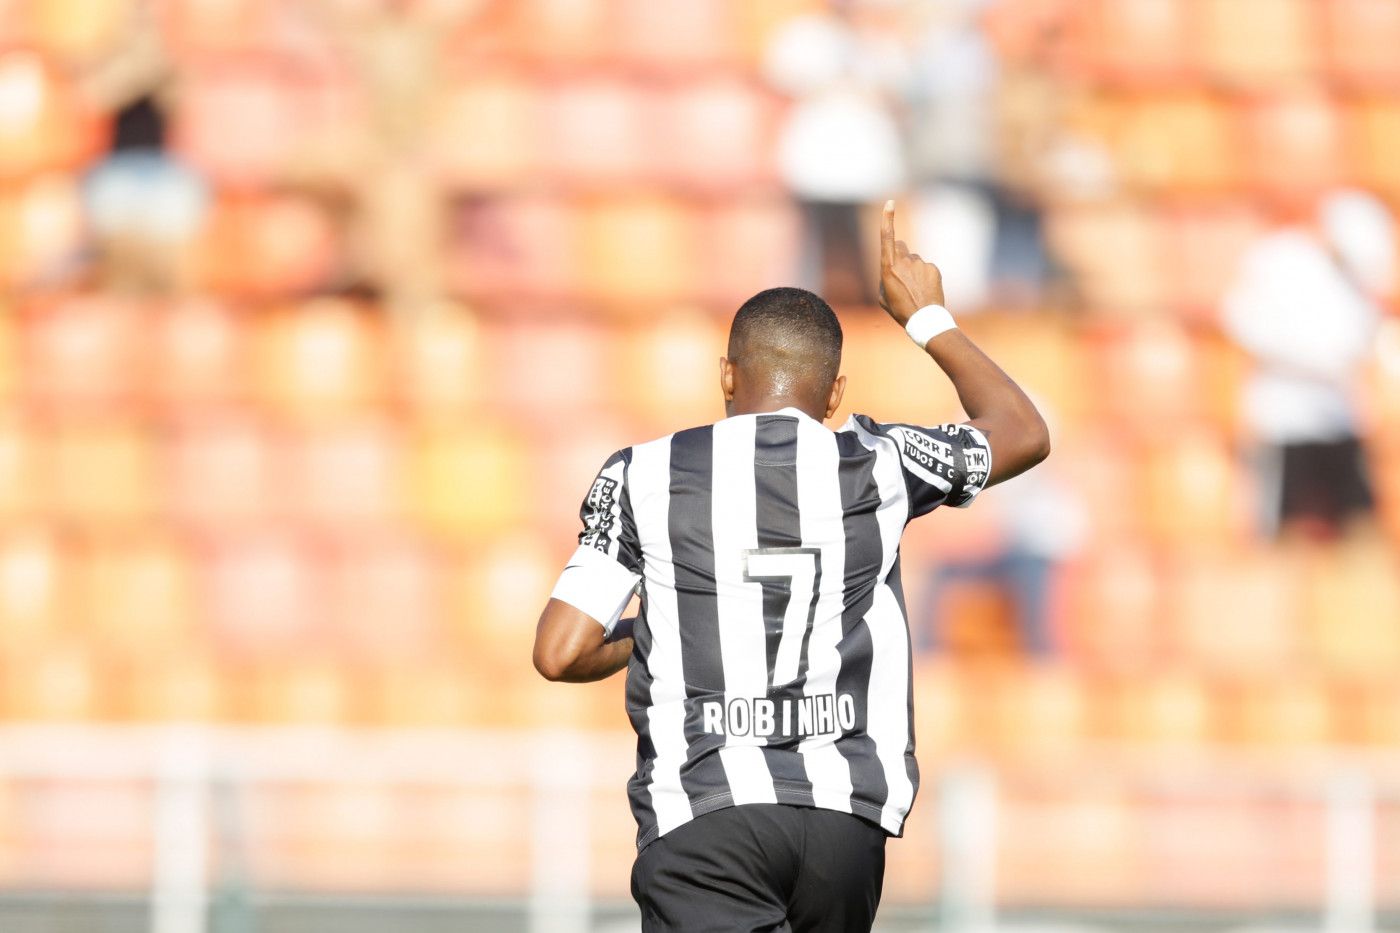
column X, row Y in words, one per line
column 995, row 405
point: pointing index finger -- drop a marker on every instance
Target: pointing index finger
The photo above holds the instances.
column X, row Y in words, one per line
column 887, row 234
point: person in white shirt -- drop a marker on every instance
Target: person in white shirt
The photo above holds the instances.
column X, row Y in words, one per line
column 1304, row 306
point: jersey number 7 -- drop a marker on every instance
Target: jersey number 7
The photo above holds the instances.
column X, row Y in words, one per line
column 791, row 578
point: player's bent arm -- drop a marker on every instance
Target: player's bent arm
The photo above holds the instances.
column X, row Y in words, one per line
column 995, row 405
column 572, row 646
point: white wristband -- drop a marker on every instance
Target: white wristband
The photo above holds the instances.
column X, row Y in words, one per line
column 928, row 322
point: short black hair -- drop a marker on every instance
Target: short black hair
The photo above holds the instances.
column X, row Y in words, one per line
column 788, row 329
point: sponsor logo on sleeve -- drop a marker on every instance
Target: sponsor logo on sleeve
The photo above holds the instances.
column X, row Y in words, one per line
column 977, row 461
column 924, row 450
column 598, row 514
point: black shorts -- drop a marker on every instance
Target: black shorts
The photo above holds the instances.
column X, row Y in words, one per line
column 762, row 867
column 1324, row 482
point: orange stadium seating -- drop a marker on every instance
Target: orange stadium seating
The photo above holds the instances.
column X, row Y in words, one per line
column 347, row 476
column 221, row 472
column 1361, row 41
column 99, row 473
column 266, row 499
column 45, row 124
column 1134, row 42
column 74, row 30
column 1376, row 137
column 198, row 355
column 1180, row 142
column 489, row 132
column 687, row 34
column 263, row 594
column 1296, row 146
column 137, row 593
column 1251, row 43
column 41, row 229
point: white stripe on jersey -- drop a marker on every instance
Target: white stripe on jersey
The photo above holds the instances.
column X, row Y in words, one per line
column 650, row 488
column 887, row 702
column 742, row 637
column 820, row 514
column 916, row 469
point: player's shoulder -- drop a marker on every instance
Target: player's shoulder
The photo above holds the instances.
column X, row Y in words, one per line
column 658, row 444
column 864, row 428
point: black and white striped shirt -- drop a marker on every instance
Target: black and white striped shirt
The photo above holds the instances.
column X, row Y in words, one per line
column 772, row 651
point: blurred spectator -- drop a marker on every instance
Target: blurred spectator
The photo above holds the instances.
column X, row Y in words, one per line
column 144, row 206
column 1304, row 306
column 1041, row 522
column 839, row 146
column 398, row 217
column 977, row 209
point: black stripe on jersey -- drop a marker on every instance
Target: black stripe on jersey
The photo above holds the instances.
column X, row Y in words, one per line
column 690, row 524
column 780, row 526
column 639, row 678
column 639, row 681
column 911, row 767
column 860, row 499
column 775, row 505
column 629, row 552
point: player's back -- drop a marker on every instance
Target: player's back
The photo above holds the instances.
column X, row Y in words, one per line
column 772, row 654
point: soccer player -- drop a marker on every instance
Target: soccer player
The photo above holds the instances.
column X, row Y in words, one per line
column 768, row 671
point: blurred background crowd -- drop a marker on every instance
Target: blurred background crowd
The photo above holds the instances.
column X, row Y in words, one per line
column 320, row 316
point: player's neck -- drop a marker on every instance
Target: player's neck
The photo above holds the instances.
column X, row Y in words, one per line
column 766, row 404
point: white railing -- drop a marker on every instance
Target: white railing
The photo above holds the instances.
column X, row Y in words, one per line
column 558, row 775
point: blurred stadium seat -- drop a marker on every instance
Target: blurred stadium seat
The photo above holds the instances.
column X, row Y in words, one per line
column 387, row 599
column 198, row 355
column 514, row 149
column 83, row 352
column 77, row 30
column 42, row 230
column 1250, row 43
column 44, row 123
column 683, row 35
column 323, row 359
column 526, row 247
column 36, row 587
column 266, row 246
column 347, row 476
column 100, row 472
column 713, row 136
column 466, row 482
column 596, row 131
column 1181, row 143
column 263, row 595
column 1376, row 131
column 1362, row 36
column 1135, row 42
column 60, row 682
column 748, row 246
column 637, row 252
column 1236, row 616
column 436, row 368
column 1354, row 620
column 1296, row 146
column 137, row 592
column 222, row 471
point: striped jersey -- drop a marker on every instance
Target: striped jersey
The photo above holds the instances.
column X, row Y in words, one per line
column 771, row 660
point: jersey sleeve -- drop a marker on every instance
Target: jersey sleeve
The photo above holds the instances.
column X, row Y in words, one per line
column 943, row 465
column 606, row 569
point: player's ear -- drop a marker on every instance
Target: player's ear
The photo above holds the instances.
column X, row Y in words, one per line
column 838, row 389
column 726, row 378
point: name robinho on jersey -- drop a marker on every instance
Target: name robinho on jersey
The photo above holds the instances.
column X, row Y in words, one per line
column 788, row 718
